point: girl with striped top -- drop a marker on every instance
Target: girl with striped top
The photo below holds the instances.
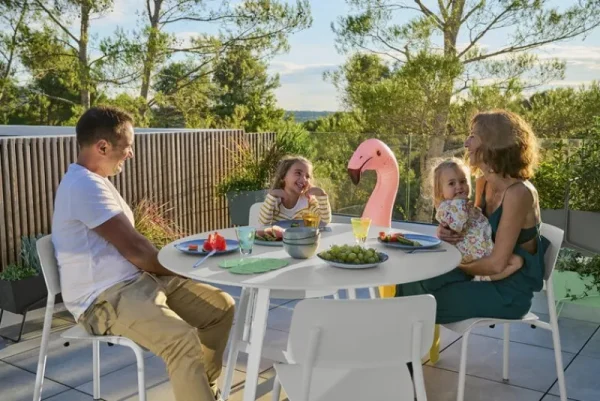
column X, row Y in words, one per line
column 292, row 194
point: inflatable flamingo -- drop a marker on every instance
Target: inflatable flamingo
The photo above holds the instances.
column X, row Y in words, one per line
column 373, row 154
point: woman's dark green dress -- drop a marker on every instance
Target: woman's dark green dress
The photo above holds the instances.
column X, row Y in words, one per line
column 459, row 298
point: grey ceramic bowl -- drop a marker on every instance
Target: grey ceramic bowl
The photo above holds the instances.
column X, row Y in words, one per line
column 301, row 251
column 303, row 234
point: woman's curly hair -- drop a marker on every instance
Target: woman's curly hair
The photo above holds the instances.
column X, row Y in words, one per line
column 508, row 145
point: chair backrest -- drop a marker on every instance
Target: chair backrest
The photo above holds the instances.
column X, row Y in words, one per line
column 45, row 251
column 555, row 235
column 253, row 215
column 362, row 333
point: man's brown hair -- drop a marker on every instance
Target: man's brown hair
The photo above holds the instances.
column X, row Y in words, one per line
column 508, row 145
column 103, row 122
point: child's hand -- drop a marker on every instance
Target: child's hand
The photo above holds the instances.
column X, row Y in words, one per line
column 278, row 193
column 314, row 191
column 515, row 262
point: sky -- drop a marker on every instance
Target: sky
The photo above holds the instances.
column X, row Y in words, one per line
column 312, row 52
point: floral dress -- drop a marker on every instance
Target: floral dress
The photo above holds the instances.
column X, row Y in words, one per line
column 463, row 217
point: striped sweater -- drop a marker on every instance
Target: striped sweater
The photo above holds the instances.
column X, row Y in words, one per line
column 272, row 209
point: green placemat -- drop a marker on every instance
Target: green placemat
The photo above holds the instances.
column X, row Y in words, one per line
column 252, row 266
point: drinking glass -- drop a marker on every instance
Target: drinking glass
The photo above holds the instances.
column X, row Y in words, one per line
column 245, row 236
column 311, row 219
column 360, row 228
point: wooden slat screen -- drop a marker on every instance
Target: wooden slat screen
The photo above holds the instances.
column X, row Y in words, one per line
column 180, row 169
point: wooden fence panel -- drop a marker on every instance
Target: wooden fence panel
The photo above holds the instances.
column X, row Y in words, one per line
column 179, row 169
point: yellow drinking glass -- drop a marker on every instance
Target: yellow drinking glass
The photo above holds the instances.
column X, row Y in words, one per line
column 360, row 228
column 311, row 219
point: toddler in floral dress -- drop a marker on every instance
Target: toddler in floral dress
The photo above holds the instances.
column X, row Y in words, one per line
column 452, row 188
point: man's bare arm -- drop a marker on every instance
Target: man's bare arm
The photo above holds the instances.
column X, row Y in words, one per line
column 131, row 244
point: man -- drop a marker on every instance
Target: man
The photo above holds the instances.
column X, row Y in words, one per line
column 111, row 279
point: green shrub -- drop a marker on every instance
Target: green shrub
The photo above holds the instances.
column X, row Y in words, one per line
column 28, row 265
column 573, row 261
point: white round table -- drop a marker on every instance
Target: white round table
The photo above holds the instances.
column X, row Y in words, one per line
column 306, row 275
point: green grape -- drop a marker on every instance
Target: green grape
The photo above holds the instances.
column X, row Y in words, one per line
column 352, row 256
column 326, row 255
column 372, row 260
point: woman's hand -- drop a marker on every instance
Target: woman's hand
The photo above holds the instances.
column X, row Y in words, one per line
column 446, row 234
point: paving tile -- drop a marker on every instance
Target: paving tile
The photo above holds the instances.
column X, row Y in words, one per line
column 573, row 333
column 592, row 348
column 72, row 365
column 441, row 384
column 530, row 366
column 582, row 379
column 263, row 391
column 550, row 397
column 71, row 395
column 17, row 384
column 280, row 318
column 33, row 326
column 273, row 338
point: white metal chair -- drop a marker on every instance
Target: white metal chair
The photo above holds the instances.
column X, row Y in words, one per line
column 45, row 251
column 352, row 350
column 555, row 236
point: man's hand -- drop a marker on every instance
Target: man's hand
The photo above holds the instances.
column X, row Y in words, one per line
column 446, row 234
column 131, row 244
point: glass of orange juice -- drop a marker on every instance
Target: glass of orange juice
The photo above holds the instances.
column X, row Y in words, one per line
column 311, row 219
column 360, row 228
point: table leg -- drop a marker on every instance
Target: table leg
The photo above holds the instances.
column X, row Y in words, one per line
column 234, row 340
column 257, row 336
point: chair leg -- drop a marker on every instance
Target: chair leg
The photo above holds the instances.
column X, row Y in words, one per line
column 238, row 332
column 373, row 292
column 336, row 295
column 139, row 356
column 41, row 367
column 556, row 340
column 462, row 372
column 15, row 340
column 506, row 352
column 276, row 389
column 96, row 368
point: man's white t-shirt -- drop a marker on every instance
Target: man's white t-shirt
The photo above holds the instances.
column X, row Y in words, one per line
column 88, row 264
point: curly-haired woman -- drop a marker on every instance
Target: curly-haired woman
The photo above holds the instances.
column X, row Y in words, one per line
column 503, row 148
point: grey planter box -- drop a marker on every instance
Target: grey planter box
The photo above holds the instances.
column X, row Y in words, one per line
column 240, row 203
column 17, row 296
column 583, row 229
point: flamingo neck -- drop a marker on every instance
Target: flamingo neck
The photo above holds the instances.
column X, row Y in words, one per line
column 381, row 202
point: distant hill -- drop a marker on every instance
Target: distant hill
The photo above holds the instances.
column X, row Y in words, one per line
column 307, row 115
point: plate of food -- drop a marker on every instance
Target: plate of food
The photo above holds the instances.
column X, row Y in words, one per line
column 269, row 236
column 214, row 242
column 408, row 241
column 352, row 257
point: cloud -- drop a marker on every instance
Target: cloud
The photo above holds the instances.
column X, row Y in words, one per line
column 289, row 68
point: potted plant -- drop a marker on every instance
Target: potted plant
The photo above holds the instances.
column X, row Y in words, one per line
column 22, row 284
column 248, row 182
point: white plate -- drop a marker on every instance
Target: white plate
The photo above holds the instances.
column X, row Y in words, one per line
column 383, row 257
column 268, row 243
column 426, row 241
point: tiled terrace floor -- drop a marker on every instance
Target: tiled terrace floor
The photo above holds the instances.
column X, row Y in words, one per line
column 532, row 371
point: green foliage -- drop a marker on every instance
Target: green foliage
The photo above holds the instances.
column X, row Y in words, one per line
column 572, row 164
column 251, row 173
column 573, row 261
column 152, row 221
column 29, row 263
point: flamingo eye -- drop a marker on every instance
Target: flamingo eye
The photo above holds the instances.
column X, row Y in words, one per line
column 378, row 153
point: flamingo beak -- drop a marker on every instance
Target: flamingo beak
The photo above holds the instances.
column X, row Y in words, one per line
column 354, row 174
